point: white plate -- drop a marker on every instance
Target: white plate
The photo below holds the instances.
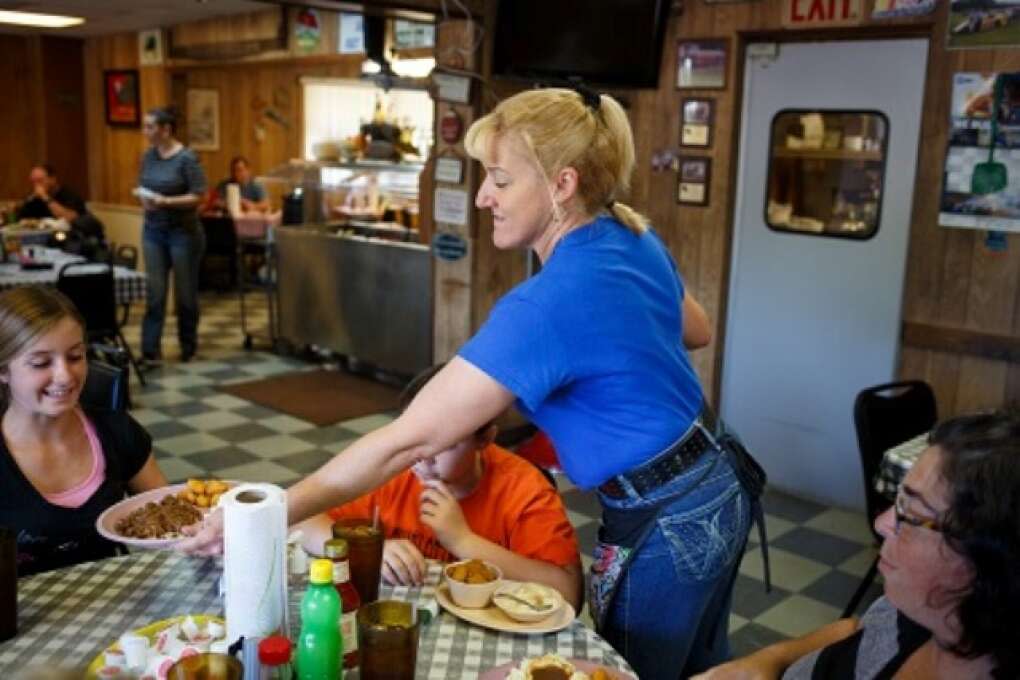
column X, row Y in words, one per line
column 583, row 665
column 106, row 522
column 492, row 617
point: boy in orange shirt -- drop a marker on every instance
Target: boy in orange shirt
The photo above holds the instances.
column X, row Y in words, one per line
column 475, row 500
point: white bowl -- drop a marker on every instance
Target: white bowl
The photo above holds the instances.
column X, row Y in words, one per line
column 522, row 612
column 472, row 595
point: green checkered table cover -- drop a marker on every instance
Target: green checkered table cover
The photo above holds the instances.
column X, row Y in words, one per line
column 895, row 463
column 67, row 617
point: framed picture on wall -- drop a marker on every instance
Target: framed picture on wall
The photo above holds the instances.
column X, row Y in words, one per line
column 120, row 93
column 694, row 175
column 701, row 64
column 696, row 122
column 204, row 119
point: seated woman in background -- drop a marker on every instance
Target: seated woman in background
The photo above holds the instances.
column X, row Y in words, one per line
column 951, row 564
column 61, row 464
column 253, row 194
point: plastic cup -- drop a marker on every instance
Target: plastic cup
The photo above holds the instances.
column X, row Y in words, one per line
column 387, row 640
column 364, row 551
column 136, row 650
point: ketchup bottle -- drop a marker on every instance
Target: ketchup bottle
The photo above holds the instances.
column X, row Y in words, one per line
column 336, row 550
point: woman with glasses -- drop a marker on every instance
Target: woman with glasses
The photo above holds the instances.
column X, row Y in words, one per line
column 951, row 564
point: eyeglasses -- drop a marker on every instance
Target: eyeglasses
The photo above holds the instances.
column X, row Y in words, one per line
column 902, row 517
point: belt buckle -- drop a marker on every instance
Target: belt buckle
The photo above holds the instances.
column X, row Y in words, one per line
column 612, row 488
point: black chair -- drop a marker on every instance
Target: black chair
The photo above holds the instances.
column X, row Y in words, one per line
column 124, row 255
column 884, row 416
column 92, row 292
column 106, row 385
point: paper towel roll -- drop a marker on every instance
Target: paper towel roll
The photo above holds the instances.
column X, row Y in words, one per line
column 234, row 198
column 254, row 558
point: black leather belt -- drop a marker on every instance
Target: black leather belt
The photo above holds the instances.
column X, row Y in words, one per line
column 667, row 465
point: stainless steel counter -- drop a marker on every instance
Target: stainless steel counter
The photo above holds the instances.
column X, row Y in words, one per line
column 363, row 297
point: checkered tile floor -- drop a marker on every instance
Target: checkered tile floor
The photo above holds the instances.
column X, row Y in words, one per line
column 818, row 554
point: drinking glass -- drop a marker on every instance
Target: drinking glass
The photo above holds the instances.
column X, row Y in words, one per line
column 365, row 549
column 387, row 640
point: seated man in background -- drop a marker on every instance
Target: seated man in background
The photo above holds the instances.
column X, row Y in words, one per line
column 51, row 199
column 950, row 560
column 253, row 194
column 473, row 501
column 48, row 198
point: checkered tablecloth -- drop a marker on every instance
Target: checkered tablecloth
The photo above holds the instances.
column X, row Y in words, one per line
column 128, row 285
column 68, row 616
column 896, row 462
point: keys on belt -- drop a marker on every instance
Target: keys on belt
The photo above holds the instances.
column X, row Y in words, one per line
column 666, row 466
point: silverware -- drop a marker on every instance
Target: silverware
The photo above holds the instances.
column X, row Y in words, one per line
column 537, row 608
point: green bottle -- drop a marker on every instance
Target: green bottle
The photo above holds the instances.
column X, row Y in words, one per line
column 319, row 648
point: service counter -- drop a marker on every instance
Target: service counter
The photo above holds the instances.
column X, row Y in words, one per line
column 359, row 295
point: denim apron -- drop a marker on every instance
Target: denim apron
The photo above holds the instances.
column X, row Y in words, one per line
column 625, row 529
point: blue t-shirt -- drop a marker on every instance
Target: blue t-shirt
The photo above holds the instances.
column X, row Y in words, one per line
column 592, row 348
column 179, row 174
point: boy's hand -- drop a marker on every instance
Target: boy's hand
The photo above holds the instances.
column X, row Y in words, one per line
column 441, row 511
column 402, row 563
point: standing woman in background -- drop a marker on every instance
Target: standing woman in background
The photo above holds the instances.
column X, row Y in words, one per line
column 171, row 185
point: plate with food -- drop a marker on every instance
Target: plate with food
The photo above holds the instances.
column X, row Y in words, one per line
column 554, row 667
column 150, row 651
column 154, row 519
column 476, row 592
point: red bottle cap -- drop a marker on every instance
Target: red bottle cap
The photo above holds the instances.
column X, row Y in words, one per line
column 274, row 650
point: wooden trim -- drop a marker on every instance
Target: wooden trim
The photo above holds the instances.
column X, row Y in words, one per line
column 961, row 341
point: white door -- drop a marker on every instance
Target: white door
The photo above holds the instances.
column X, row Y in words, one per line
column 814, row 307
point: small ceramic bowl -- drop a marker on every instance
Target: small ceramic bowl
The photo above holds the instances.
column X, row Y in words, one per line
column 472, row 595
column 519, row 611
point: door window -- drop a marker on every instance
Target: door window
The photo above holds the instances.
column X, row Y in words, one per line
column 826, row 172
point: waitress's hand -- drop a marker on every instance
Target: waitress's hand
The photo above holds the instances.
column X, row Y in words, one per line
column 441, row 511
column 402, row 563
column 205, row 537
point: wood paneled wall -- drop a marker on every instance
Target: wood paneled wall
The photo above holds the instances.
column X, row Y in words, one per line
column 115, row 152
column 42, row 119
column 953, row 281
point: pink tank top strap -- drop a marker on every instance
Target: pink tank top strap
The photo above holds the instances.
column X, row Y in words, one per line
column 78, row 495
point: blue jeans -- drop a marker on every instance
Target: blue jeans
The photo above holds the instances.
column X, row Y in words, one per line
column 670, row 615
column 180, row 249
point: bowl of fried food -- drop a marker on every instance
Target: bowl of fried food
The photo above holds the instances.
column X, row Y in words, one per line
column 472, row 582
column 527, row 602
column 154, row 519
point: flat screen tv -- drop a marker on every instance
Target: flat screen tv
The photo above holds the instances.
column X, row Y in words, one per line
column 616, row 43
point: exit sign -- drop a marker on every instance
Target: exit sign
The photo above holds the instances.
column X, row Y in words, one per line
column 821, row 13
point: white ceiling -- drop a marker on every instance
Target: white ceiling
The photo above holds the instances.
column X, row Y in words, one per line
column 115, row 16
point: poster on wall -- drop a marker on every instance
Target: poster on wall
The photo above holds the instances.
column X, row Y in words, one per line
column 352, row 33
column 150, row 47
column 892, row 9
column 981, row 178
column 983, row 24
column 120, row 93
column 307, row 29
column 204, row 120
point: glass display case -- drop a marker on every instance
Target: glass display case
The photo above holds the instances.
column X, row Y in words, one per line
column 826, row 172
column 354, row 256
column 358, row 195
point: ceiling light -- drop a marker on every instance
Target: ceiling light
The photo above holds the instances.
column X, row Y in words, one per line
column 40, row 20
